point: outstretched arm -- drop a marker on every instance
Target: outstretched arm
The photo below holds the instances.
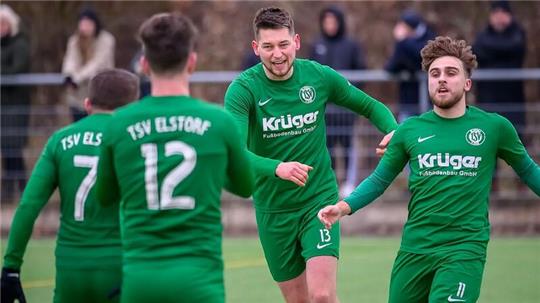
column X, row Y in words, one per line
column 240, row 179
column 369, row 190
column 372, row 187
column 512, row 151
column 347, row 95
column 40, row 187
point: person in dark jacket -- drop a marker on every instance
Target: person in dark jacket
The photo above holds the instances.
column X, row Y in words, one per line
column 335, row 49
column 15, row 104
column 502, row 44
column 249, row 59
column 411, row 34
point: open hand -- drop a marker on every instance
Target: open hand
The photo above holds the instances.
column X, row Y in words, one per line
column 383, row 144
column 332, row 213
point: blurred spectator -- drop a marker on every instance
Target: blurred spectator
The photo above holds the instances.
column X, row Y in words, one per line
column 89, row 50
column 145, row 87
column 15, row 104
column 502, row 44
column 250, row 59
column 411, row 34
column 335, row 49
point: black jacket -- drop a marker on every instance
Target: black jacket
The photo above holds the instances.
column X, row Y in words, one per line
column 406, row 58
column 500, row 50
column 14, row 100
column 338, row 51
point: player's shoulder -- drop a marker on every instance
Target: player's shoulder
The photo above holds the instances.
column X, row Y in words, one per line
column 307, row 65
column 487, row 117
column 413, row 121
column 127, row 108
column 207, row 106
column 250, row 75
column 94, row 122
column 215, row 111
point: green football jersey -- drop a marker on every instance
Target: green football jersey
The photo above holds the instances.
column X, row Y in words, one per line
column 89, row 235
column 451, row 162
column 283, row 121
column 168, row 158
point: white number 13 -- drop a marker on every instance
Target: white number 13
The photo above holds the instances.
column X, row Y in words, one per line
column 325, row 235
column 165, row 200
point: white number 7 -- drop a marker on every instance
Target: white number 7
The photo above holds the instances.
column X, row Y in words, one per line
column 86, row 184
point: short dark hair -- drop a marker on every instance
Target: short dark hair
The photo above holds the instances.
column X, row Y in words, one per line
column 446, row 46
column 112, row 88
column 167, row 40
column 272, row 18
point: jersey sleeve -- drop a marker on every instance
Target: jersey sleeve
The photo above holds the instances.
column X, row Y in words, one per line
column 240, row 179
column 43, row 181
column 512, row 151
column 391, row 164
column 107, row 188
column 345, row 94
column 237, row 102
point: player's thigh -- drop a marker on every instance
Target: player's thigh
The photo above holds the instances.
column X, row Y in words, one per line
column 321, row 276
column 458, row 280
column 279, row 236
column 316, row 239
column 411, row 278
column 87, row 285
column 187, row 284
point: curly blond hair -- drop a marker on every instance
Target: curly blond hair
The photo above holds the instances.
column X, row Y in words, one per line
column 446, row 46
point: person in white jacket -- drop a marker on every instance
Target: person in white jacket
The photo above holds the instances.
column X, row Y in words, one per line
column 89, row 50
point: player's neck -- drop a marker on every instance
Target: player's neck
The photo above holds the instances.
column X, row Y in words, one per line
column 177, row 85
column 99, row 111
column 273, row 77
column 455, row 111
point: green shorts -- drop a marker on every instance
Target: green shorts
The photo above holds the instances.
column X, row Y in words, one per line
column 439, row 277
column 87, row 285
column 191, row 282
column 289, row 239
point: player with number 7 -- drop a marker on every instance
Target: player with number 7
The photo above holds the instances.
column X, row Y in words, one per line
column 88, row 249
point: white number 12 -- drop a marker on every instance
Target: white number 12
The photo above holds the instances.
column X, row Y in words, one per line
column 165, row 200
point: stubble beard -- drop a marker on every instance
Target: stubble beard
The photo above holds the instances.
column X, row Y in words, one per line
column 270, row 70
column 446, row 104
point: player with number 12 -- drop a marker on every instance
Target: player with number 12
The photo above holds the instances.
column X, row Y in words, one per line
column 167, row 157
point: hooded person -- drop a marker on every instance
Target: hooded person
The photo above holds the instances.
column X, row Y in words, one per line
column 335, row 49
column 15, row 104
column 502, row 44
column 411, row 34
column 89, row 50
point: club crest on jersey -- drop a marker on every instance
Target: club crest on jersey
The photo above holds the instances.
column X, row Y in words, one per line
column 307, row 94
column 475, row 136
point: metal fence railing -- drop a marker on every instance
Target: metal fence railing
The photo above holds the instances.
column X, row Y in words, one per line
column 364, row 137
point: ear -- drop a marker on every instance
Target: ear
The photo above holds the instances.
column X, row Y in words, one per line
column 191, row 62
column 255, row 47
column 468, row 84
column 145, row 66
column 88, row 106
column 297, row 41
